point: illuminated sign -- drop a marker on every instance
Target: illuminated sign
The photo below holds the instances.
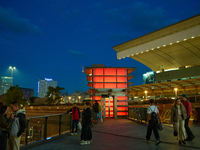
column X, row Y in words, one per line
column 47, row 79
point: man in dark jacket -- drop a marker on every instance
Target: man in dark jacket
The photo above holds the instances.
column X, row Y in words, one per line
column 75, row 117
column 96, row 111
column 18, row 126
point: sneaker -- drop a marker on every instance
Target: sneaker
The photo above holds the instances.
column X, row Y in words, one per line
column 83, row 143
column 88, row 142
column 75, row 133
column 71, row 133
column 158, row 142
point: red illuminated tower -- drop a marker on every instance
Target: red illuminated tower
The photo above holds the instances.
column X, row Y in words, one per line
column 109, row 86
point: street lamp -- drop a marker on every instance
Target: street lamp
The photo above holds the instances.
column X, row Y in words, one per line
column 145, row 94
column 175, row 92
column 79, row 98
column 69, row 98
column 12, row 68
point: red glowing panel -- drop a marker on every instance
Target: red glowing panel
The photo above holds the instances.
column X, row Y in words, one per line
column 97, row 98
column 109, row 71
column 97, row 85
column 110, row 79
column 121, row 71
column 121, row 85
column 98, row 71
column 122, row 108
column 122, row 97
column 97, row 79
column 109, row 85
column 122, row 113
column 121, row 103
column 121, row 79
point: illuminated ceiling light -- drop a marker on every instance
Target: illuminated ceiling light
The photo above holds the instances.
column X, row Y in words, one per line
column 128, row 56
column 185, row 39
column 119, row 58
column 177, row 41
column 170, row 43
column 158, row 47
column 132, row 54
column 141, row 51
column 147, row 50
column 123, row 57
column 192, row 37
column 164, row 45
column 136, row 53
column 152, row 49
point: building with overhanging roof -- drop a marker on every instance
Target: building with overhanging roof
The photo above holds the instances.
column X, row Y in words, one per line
column 176, row 48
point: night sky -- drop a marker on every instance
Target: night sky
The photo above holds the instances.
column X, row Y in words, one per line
column 55, row 38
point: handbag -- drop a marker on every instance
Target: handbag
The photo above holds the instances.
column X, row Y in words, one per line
column 79, row 125
column 160, row 126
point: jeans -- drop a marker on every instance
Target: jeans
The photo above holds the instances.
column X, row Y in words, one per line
column 100, row 115
column 3, row 139
column 152, row 126
column 86, row 133
column 189, row 132
column 75, row 122
column 96, row 117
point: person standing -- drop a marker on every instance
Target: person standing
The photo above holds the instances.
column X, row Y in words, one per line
column 86, row 125
column 18, row 126
column 96, row 110
column 152, row 124
column 4, row 126
column 178, row 116
column 188, row 108
column 100, row 113
column 75, row 118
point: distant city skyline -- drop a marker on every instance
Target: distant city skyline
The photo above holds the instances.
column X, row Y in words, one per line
column 62, row 36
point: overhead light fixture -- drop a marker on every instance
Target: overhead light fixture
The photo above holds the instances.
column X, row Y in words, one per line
column 170, row 43
column 177, row 41
column 147, row 50
column 152, row 49
column 136, row 53
column 184, row 39
column 158, row 47
column 141, row 51
column 192, row 37
column 164, row 45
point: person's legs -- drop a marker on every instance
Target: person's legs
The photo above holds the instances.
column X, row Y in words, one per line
column 14, row 143
column 155, row 131
column 100, row 116
column 189, row 132
column 73, row 124
column 96, row 117
column 3, row 139
column 149, row 131
column 183, row 134
column 76, row 123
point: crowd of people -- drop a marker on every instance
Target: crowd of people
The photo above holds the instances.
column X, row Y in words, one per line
column 180, row 115
column 12, row 128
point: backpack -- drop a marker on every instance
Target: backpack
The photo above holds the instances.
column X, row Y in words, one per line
column 154, row 116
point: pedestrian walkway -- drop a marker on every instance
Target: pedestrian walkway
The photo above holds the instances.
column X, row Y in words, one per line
column 121, row 134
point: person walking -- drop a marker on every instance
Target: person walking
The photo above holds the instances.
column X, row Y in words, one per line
column 100, row 113
column 152, row 122
column 178, row 116
column 188, row 108
column 75, row 117
column 18, row 126
column 5, row 124
column 86, row 125
column 96, row 111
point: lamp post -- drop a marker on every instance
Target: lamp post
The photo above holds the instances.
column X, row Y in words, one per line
column 79, row 98
column 145, row 95
column 175, row 92
column 69, row 98
column 12, row 68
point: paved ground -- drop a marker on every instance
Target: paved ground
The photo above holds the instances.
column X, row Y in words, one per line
column 121, row 134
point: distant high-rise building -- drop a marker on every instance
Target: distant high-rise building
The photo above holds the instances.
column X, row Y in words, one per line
column 5, row 83
column 27, row 92
column 43, row 86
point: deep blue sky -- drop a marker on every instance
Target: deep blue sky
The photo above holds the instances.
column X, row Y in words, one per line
column 55, row 38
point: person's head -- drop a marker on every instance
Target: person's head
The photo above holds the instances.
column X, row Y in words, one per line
column 177, row 101
column 4, row 110
column 14, row 106
column 75, row 105
column 151, row 101
column 96, row 101
column 183, row 97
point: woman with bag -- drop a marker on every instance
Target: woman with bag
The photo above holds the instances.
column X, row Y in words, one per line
column 178, row 116
column 4, row 126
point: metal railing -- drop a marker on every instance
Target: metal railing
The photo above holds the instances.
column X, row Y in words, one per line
column 42, row 128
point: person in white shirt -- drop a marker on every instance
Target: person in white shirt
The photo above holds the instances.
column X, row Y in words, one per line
column 152, row 122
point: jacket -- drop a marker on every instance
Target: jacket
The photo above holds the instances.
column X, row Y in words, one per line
column 96, row 107
column 75, row 113
column 188, row 107
column 5, row 123
column 174, row 113
column 19, row 123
